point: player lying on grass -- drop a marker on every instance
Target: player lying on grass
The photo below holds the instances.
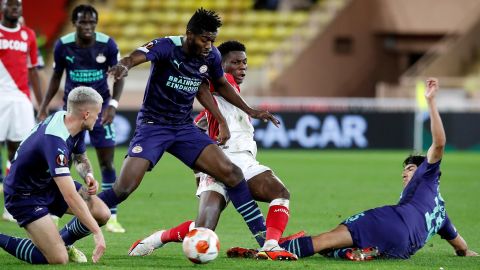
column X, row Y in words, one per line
column 242, row 150
column 396, row 231
column 39, row 184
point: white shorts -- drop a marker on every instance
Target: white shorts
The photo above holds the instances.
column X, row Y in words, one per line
column 16, row 117
column 244, row 160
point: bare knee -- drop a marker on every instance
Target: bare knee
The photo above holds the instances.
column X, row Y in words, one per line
column 58, row 257
column 231, row 174
column 101, row 214
column 122, row 192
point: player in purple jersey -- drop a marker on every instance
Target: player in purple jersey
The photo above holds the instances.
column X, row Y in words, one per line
column 181, row 66
column 396, row 231
column 39, row 184
column 86, row 56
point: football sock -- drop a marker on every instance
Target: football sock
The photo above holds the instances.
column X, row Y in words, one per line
column 277, row 219
column 245, row 205
column 176, row 234
column 1, row 169
column 23, row 249
column 73, row 231
column 108, row 179
column 302, row 247
column 338, row 253
column 109, row 198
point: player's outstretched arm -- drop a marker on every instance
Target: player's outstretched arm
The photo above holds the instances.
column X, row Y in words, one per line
column 460, row 246
column 51, row 91
column 205, row 98
column 120, row 70
column 435, row 152
column 226, row 90
column 80, row 209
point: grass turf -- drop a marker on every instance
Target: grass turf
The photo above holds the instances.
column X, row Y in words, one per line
column 325, row 186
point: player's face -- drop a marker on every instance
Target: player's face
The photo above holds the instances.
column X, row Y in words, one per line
column 407, row 173
column 12, row 10
column 85, row 25
column 90, row 116
column 201, row 44
column 235, row 63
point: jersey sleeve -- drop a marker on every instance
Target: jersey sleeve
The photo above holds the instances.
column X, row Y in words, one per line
column 113, row 53
column 432, row 171
column 56, row 154
column 447, row 231
column 32, row 50
column 232, row 81
column 58, row 58
column 216, row 70
column 156, row 49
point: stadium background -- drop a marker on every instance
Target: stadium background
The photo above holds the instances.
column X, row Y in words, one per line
column 340, row 74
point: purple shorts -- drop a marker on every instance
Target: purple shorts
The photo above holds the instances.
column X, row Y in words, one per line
column 26, row 208
column 185, row 142
column 102, row 136
column 382, row 228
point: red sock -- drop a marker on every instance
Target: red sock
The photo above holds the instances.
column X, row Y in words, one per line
column 276, row 222
column 176, row 234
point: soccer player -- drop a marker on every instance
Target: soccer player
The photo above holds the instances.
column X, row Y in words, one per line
column 39, row 183
column 18, row 61
column 241, row 149
column 396, row 231
column 86, row 56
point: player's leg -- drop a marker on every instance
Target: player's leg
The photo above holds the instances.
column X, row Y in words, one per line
column 74, row 230
column 105, row 157
column 212, row 201
column 306, row 246
column 103, row 139
column 45, row 245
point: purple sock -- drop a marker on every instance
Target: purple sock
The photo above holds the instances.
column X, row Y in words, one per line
column 302, row 247
column 73, row 231
column 245, row 205
column 23, row 249
column 108, row 179
column 109, row 198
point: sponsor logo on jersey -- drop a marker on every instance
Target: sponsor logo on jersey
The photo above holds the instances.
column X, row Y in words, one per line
column 101, row 58
column 16, row 45
column 137, row 149
column 86, row 75
column 177, row 63
column 70, row 58
column 61, row 160
column 184, row 84
column 203, row 69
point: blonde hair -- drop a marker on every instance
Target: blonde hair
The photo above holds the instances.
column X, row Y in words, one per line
column 82, row 95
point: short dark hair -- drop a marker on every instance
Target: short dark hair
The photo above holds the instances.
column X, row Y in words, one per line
column 204, row 21
column 83, row 9
column 414, row 159
column 231, row 46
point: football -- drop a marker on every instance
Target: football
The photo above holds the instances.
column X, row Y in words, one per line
column 201, row 245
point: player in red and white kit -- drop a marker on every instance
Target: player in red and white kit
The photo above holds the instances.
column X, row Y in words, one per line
column 241, row 149
column 18, row 61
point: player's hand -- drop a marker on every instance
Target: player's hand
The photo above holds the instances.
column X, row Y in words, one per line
column 108, row 115
column 223, row 133
column 100, row 246
column 432, row 88
column 118, row 71
column 42, row 115
column 265, row 116
column 92, row 184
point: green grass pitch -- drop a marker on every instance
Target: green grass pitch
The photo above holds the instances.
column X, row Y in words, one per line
column 325, row 186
